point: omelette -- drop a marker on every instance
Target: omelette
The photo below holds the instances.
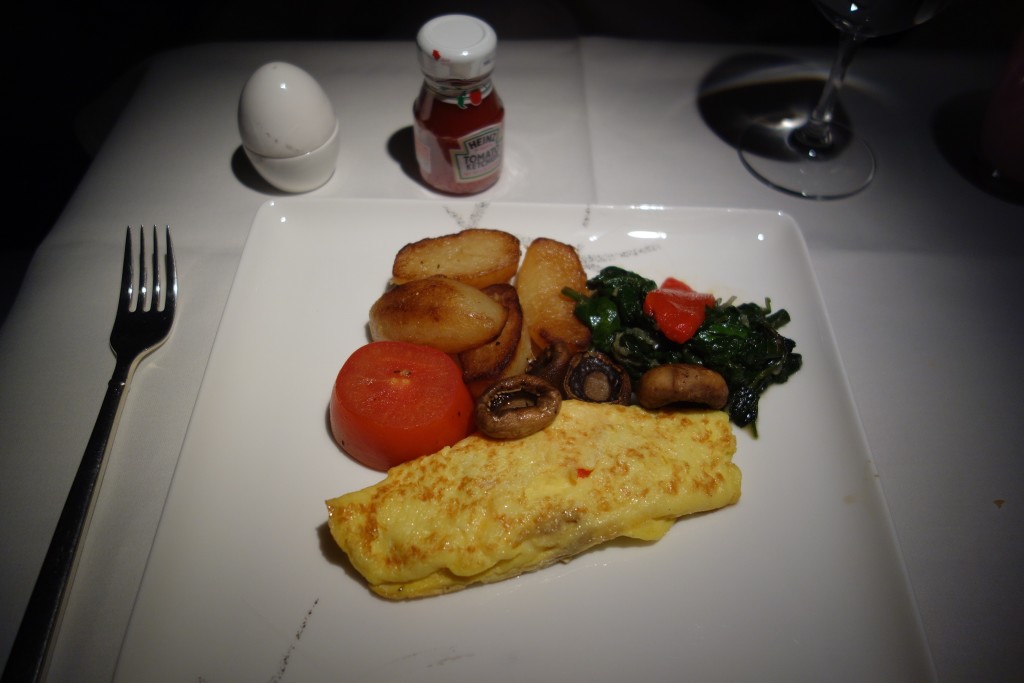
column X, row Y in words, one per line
column 485, row 510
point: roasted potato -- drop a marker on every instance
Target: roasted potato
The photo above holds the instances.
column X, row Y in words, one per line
column 508, row 354
column 547, row 268
column 438, row 311
column 476, row 256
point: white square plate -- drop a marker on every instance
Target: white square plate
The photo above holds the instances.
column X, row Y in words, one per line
column 800, row 581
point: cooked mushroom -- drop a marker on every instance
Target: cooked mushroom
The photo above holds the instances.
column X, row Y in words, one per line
column 682, row 383
column 517, row 406
column 552, row 364
column 593, row 376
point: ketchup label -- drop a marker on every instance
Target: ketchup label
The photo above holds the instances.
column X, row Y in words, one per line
column 478, row 154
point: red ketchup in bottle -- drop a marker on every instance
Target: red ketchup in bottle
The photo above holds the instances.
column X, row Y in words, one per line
column 459, row 118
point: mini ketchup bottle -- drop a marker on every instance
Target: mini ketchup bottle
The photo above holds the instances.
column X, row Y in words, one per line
column 459, row 120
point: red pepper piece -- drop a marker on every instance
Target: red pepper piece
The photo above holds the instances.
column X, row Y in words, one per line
column 677, row 309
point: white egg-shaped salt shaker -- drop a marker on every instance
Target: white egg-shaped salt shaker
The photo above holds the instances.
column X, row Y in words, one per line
column 288, row 127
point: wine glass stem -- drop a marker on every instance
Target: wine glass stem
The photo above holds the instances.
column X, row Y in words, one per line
column 816, row 133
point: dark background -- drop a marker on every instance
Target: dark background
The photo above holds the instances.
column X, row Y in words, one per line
column 62, row 57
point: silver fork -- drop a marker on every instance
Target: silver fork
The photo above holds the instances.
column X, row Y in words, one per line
column 140, row 326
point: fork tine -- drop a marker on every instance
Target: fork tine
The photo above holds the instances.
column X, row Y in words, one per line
column 140, row 305
column 127, row 281
column 171, row 296
column 156, row 272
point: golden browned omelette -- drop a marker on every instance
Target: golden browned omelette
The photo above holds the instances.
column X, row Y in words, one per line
column 484, row 510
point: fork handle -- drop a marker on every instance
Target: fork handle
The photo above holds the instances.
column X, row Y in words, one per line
column 32, row 646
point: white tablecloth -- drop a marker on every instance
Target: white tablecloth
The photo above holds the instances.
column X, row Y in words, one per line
column 919, row 273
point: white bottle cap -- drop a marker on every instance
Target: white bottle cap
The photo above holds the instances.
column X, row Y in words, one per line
column 456, row 47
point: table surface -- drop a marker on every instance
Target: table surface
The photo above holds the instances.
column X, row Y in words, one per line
column 915, row 272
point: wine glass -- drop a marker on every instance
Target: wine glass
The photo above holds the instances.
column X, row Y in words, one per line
column 816, row 157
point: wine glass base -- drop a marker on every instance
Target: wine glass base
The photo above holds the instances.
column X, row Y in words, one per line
column 768, row 151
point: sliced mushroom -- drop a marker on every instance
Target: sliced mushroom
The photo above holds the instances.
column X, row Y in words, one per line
column 593, row 376
column 552, row 364
column 682, row 383
column 517, row 406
